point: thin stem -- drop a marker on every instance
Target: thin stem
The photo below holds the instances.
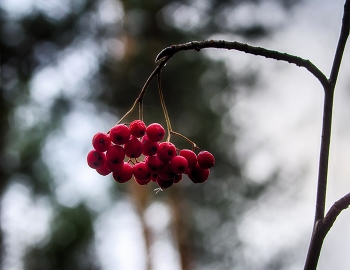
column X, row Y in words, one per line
column 334, row 211
column 344, row 34
column 222, row 44
column 139, row 99
column 184, row 137
column 141, row 111
column 166, row 115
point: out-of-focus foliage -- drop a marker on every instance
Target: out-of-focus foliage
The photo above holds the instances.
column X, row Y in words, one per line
column 120, row 41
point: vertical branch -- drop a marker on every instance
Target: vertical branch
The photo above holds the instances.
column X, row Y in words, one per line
column 324, row 155
column 344, row 34
column 319, row 233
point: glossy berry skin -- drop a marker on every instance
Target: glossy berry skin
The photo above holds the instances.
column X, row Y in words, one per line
column 198, row 175
column 101, row 141
column 153, row 163
column 142, row 172
column 119, row 134
column 178, row 165
column 149, row 148
column 137, row 128
column 166, row 151
column 205, row 160
column 190, row 156
column 103, row 170
column 133, row 148
column 96, row 159
column 155, row 132
column 124, row 174
column 115, row 157
column 164, row 183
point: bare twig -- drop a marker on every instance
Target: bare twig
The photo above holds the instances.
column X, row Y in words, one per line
column 139, row 99
column 321, row 229
column 222, row 44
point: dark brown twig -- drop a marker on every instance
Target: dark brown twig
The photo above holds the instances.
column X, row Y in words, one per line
column 222, row 44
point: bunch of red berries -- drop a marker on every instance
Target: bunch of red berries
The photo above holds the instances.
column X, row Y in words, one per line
column 137, row 150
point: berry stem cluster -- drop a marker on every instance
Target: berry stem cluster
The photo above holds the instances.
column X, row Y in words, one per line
column 138, row 151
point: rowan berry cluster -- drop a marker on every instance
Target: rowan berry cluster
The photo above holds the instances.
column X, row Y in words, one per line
column 138, row 150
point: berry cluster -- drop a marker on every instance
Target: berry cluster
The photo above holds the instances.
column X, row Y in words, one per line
column 137, row 150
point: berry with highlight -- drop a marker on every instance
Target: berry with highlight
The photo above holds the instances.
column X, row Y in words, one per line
column 155, row 132
column 137, row 128
column 101, row 141
column 119, row 134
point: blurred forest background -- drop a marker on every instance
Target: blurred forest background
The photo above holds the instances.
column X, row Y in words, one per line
column 71, row 68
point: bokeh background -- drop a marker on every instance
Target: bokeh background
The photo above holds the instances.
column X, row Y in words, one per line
column 71, row 68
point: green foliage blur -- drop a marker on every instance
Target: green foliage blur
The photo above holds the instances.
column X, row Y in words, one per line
column 125, row 37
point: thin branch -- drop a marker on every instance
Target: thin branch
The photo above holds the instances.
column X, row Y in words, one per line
column 139, row 99
column 334, row 212
column 327, row 117
column 321, row 229
column 341, row 44
column 324, row 155
column 222, row 44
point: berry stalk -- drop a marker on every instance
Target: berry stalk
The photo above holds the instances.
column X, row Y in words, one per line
column 166, row 115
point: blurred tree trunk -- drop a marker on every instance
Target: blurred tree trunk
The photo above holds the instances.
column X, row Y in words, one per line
column 181, row 232
column 140, row 198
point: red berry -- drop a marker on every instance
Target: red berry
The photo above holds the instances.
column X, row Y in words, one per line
column 165, row 172
column 205, row 160
column 115, row 157
column 119, row 134
column 190, row 156
column 142, row 182
column 153, row 163
column 137, row 128
column 96, row 159
column 103, row 170
column 155, row 132
column 101, row 141
column 124, row 174
column 142, row 172
column 166, row 151
column 178, row 165
column 164, row 183
column 133, row 148
column 198, row 175
column 149, row 148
